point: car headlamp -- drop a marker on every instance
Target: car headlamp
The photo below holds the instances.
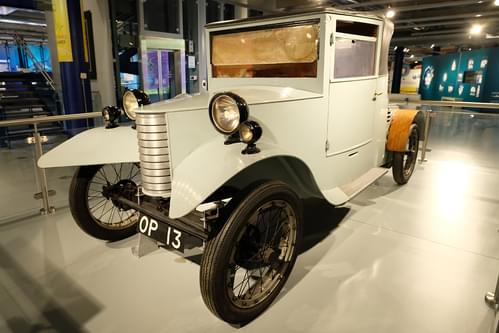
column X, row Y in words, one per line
column 111, row 115
column 250, row 132
column 227, row 112
column 132, row 100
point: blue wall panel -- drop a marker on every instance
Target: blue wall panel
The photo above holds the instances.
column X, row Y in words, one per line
column 444, row 76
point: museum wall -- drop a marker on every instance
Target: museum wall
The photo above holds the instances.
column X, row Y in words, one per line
column 104, row 84
column 467, row 76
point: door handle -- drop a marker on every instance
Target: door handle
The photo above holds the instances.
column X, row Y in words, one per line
column 376, row 96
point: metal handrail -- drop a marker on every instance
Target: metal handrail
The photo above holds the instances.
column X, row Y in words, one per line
column 37, row 140
column 428, row 104
column 50, row 119
column 393, row 98
column 461, row 104
column 22, row 43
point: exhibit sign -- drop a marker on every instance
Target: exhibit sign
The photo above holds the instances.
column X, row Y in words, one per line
column 62, row 31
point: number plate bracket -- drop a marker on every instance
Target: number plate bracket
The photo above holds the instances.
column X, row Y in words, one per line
column 145, row 245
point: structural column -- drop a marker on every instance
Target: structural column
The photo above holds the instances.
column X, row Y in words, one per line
column 73, row 60
column 398, row 65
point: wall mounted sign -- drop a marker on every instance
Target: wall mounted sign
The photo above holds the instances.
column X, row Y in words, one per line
column 62, row 34
column 471, row 63
column 428, row 74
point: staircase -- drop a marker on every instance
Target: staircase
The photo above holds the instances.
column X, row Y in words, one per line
column 26, row 95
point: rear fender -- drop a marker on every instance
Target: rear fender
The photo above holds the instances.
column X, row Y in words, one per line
column 94, row 146
column 398, row 133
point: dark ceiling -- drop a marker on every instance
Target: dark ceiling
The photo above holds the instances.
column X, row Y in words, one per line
column 418, row 24
column 26, row 22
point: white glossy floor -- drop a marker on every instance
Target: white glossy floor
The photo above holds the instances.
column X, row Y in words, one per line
column 417, row 258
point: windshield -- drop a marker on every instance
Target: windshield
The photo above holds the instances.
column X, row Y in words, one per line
column 290, row 51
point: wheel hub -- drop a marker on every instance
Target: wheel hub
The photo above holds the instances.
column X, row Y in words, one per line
column 124, row 188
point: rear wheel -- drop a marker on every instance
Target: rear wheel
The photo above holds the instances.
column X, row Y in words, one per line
column 246, row 265
column 405, row 162
column 93, row 204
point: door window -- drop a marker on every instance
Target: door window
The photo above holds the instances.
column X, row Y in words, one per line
column 355, row 54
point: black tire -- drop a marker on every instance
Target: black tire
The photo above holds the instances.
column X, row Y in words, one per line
column 405, row 162
column 244, row 243
column 90, row 207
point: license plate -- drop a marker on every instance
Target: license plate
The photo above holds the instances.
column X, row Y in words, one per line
column 172, row 238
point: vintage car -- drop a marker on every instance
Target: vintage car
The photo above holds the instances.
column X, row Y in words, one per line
column 297, row 107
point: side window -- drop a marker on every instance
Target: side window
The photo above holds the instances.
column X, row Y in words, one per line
column 355, row 49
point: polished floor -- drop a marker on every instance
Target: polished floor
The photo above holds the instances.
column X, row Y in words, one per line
column 417, row 258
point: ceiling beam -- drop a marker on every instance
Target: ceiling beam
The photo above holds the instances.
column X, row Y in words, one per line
column 445, row 23
column 463, row 38
column 369, row 3
column 439, row 32
column 434, row 5
column 22, row 28
column 448, row 17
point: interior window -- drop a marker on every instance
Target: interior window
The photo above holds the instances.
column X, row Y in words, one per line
column 357, row 28
column 287, row 51
column 355, row 50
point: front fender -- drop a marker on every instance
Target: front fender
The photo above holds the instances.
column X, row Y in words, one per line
column 209, row 167
column 94, row 146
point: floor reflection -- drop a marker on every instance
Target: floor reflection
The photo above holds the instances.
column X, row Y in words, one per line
column 52, row 303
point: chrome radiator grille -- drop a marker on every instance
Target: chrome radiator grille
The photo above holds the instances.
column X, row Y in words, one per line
column 154, row 154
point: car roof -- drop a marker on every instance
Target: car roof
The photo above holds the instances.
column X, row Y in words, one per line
column 298, row 13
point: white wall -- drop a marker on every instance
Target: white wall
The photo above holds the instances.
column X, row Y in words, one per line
column 104, row 85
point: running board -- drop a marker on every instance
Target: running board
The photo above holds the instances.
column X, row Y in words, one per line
column 360, row 184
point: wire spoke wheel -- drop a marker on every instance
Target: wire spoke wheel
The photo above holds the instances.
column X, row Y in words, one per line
column 404, row 163
column 411, row 154
column 94, row 204
column 247, row 263
column 108, row 213
column 262, row 253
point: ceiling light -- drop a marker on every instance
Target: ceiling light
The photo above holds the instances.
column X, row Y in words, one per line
column 412, row 56
column 390, row 13
column 395, row 48
column 432, row 46
column 476, row 29
column 496, row 3
column 478, row 15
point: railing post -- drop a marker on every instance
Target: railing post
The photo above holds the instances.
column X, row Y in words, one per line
column 40, row 173
column 427, row 120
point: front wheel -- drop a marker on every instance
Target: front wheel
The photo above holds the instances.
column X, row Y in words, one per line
column 405, row 162
column 247, row 263
column 93, row 204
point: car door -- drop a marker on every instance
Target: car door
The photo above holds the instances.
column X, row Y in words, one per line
column 352, row 97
